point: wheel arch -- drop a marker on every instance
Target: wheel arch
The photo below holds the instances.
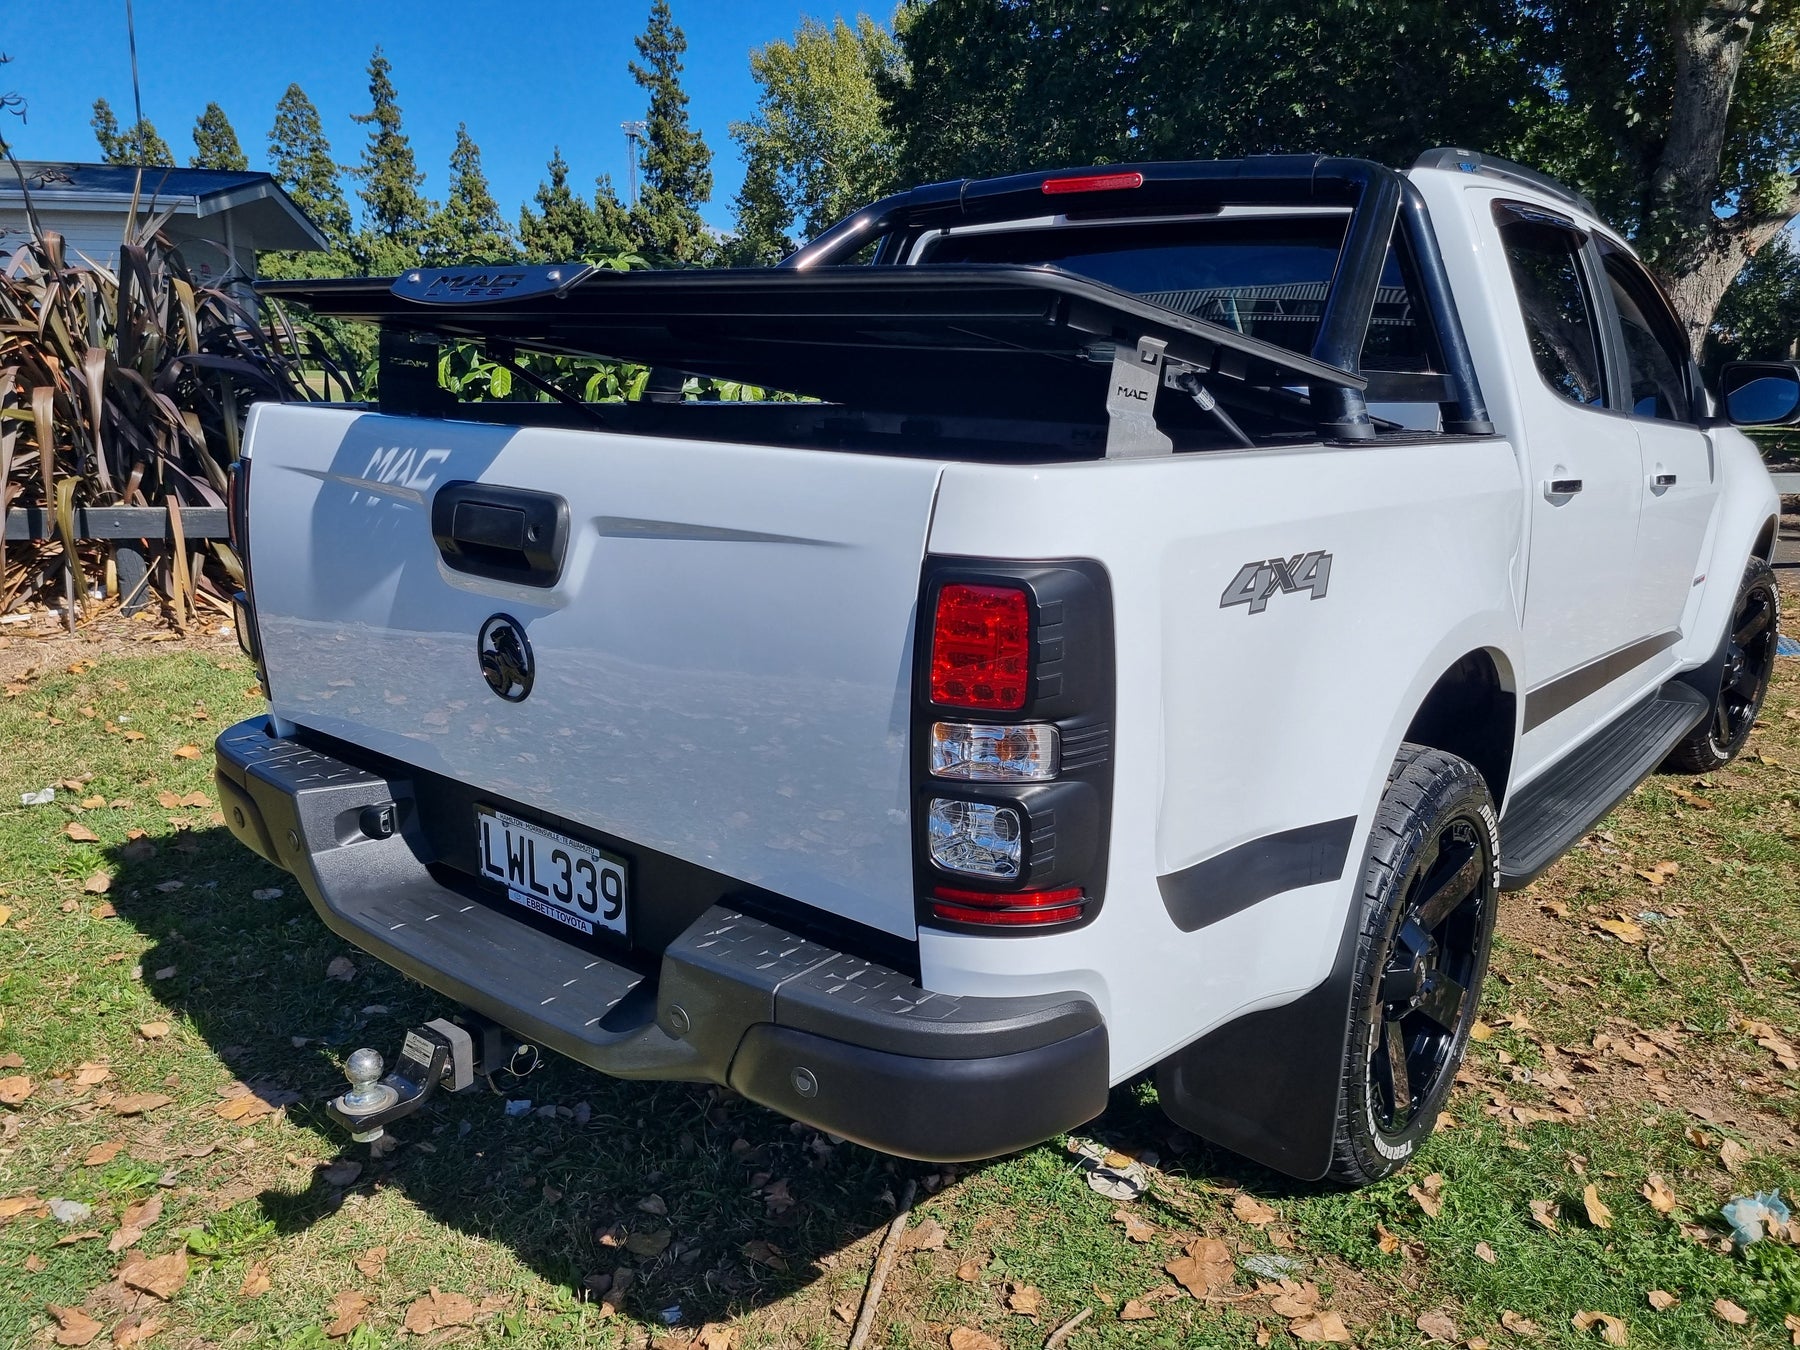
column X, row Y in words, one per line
column 1471, row 711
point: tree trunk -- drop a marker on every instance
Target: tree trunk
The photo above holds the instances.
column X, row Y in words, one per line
column 1701, row 252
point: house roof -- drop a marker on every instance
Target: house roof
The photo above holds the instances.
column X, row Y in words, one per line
column 262, row 213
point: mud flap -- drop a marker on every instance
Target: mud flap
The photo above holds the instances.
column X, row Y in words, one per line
column 1266, row 1085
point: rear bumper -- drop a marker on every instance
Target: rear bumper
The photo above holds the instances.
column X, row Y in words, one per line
column 826, row 1037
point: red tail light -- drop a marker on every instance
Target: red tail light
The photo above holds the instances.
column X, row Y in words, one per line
column 1093, row 182
column 1021, row 907
column 981, row 647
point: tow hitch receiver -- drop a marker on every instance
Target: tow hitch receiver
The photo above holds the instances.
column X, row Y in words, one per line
column 438, row 1054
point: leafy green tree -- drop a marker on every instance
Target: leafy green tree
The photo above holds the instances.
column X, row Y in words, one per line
column 470, row 228
column 300, row 158
column 395, row 213
column 817, row 147
column 1759, row 318
column 139, row 145
column 215, row 143
column 564, row 228
column 1681, row 118
column 677, row 166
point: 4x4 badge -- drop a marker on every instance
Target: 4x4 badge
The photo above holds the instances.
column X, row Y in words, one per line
column 505, row 655
column 1255, row 582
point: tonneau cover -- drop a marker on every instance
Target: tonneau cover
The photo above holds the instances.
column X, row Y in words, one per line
column 958, row 337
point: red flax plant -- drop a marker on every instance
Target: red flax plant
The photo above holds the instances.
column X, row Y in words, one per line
column 128, row 387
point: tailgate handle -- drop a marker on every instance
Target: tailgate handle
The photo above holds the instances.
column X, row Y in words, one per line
column 507, row 534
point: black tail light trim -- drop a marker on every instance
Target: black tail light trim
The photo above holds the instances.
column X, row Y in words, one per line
column 1073, row 685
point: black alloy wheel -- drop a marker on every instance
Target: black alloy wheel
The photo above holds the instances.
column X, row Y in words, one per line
column 1748, row 663
column 1423, row 997
column 1429, row 897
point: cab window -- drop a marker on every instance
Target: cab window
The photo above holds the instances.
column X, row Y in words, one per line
column 1655, row 352
column 1544, row 256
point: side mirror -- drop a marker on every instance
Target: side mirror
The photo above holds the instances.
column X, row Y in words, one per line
column 1761, row 393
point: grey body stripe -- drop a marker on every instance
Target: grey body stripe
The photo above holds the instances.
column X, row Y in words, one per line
column 1565, row 691
column 1240, row 877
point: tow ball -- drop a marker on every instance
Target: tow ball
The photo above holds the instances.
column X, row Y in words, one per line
column 439, row 1054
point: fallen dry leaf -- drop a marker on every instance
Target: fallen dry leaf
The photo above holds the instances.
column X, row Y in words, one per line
column 1732, row 1155
column 1598, row 1214
column 243, row 1108
column 341, row 968
column 73, row 1326
column 1661, row 1299
column 1135, row 1228
column 651, row 1244
column 1136, row 1311
column 99, row 883
column 1792, row 1320
column 1518, row 1325
column 101, row 1154
column 12, row 1206
column 1612, row 1329
column 1428, row 1195
column 1025, row 1300
column 346, row 1311
column 1248, row 1209
column 1320, row 1326
column 967, row 1338
column 187, row 752
column 765, row 1253
column 1205, row 1268
column 438, row 1310
column 1545, row 1212
column 256, row 1281
column 1727, row 1311
column 1388, row 1242
column 714, row 1336
column 154, row 1031
column 80, row 833
column 135, row 1331
column 1623, row 929
column 15, row 1089
column 1485, row 1252
column 1437, row 1326
column 1657, row 1192
column 929, row 1236
column 162, row 1276
column 372, row 1262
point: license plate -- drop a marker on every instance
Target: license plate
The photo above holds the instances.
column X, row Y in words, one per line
column 551, row 874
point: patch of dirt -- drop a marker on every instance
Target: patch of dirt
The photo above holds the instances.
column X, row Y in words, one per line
column 44, row 644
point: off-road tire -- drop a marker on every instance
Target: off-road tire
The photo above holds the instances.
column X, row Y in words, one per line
column 1749, row 661
column 1435, row 831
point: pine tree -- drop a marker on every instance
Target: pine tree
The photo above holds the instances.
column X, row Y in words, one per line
column 139, row 146
column 300, row 159
column 564, row 228
column 470, row 228
column 215, row 143
column 395, row 213
column 677, row 166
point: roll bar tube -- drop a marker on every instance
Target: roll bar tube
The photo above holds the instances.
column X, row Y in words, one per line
column 1380, row 199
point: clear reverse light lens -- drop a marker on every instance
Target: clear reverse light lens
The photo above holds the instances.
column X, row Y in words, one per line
column 987, row 754
column 974, row 838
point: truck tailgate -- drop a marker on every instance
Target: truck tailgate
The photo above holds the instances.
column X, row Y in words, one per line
column 722, row 671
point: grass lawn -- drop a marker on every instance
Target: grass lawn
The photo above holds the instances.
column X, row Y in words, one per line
column 168, row 1028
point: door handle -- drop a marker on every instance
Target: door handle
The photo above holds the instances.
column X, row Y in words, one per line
column 1562, row 487
column 507, row 534
column 1662, row 480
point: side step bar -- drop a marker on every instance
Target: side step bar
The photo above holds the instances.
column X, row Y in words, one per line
column 1546, row 816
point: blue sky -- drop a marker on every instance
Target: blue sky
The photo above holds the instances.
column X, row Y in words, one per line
column 526, row 75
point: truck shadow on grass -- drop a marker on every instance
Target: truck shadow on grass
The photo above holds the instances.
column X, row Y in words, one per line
column 712, row 1203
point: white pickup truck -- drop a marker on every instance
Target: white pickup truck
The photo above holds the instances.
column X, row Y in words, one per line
column 1180, row 600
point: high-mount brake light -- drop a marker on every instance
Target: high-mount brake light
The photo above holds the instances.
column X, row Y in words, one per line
column 1093, row 182
column 956, row 905
column 981, row 647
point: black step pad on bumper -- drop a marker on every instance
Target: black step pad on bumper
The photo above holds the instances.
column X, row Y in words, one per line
column 1549, row 814
column 822, row 1035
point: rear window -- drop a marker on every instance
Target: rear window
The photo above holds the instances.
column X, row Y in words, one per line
column 1265, row 277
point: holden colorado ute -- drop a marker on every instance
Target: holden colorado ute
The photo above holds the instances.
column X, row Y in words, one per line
column 1166, row 608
